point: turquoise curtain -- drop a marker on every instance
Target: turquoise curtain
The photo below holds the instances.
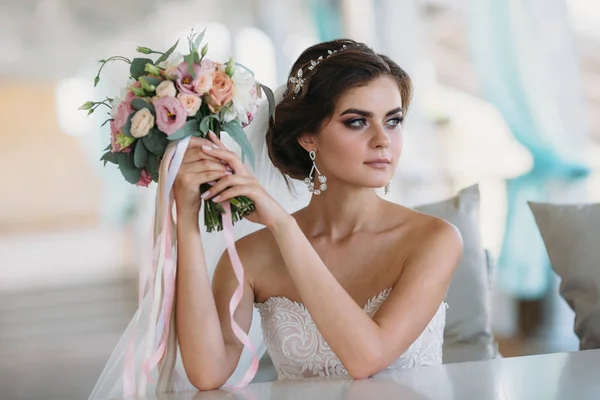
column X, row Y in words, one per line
column 327, row 19
column 527, row 68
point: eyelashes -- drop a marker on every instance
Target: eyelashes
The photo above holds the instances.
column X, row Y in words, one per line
column 359, row 123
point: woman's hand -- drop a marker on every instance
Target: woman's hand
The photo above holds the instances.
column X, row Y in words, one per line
column 242, row 183
column 197, row 168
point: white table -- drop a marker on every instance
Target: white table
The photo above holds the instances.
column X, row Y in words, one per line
column 557, row 376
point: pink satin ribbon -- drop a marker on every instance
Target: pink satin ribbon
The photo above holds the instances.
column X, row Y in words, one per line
column 169, row 270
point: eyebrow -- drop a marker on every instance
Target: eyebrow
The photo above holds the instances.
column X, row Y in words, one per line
column 369, row 114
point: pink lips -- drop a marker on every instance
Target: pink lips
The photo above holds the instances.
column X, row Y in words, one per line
column 379, row 163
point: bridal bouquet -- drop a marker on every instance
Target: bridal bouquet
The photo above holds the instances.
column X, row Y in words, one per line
column 173, row 97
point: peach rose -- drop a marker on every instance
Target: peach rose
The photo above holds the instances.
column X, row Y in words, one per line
column 166, row 89
column 190, row 102
column 221, row 92
column 141, row 123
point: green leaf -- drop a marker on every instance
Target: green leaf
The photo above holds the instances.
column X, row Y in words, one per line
column 153, row 166
column 138, row 104
column 205, row 124
column 234, row 129
column 199, row 39
column 138, row 67
column 165, row 56
column 270, row 98
column 127, row 126
column 189, row 59
column 154, row 81
column 96, row 80
column 128, row 169
column 110, row 157
column 140, row 154
column 188, row 129
column 156, row 142
column 108, row 147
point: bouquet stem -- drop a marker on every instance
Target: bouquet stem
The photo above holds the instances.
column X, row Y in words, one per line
column 241, row 206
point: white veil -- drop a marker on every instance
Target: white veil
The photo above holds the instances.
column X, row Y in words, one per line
column 169, row 375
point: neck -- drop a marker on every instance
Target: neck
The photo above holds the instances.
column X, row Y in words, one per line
column 341, row 212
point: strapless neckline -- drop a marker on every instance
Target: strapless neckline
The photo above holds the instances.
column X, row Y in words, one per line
column 383, row 295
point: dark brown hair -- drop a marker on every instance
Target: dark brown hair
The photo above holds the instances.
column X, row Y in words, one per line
column 349, row 67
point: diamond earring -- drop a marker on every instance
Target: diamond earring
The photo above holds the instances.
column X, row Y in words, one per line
column 387, row 187
column 322, row 178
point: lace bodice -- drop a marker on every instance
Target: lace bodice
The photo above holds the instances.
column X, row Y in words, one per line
column 298, row 350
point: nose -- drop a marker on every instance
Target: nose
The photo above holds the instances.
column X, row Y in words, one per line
column 381, row 139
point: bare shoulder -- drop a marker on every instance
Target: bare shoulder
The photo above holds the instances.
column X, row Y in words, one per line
column 431, row 238
column 259, row 253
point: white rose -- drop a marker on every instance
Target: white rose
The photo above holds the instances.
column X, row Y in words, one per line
column 243, row 100
column 190, row 102
column 141, row 123
column 203, row 83
column 166, row 89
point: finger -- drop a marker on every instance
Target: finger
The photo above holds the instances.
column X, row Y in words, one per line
column 215, row 139
column 198, row 178
column 198, row 142
column 228, row 156
column 226, row 182
column 196, row 154
column 202, row 166
column 241, row 190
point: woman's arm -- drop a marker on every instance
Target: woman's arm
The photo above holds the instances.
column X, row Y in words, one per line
column 209, row 349
column 366, row 346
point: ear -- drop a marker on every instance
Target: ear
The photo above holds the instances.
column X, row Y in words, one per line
column 308, row 142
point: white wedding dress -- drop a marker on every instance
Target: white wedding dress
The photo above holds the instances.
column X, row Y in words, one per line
column 298, row 350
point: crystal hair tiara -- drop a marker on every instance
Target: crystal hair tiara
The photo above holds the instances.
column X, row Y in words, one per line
column 297, row 81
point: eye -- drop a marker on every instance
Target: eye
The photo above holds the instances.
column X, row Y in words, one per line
column 356, row 123
column 394, row 122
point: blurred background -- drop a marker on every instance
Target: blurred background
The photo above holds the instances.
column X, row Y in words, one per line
column 507, row 94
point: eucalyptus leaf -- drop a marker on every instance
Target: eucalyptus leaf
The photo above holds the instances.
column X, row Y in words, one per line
column 188, row 129
column 154, row 81
column 234, row 129
column 205, row 124
column 199, row 39
column 270, row 98
column 110, row 157
column 127, row 126
column 128, row 169
column 189, row 59
column 140, row 154
column 108, row 147
column 138, row 67
column 138, row 104
column 165, row 56
column 156, row 142
column 153, row 166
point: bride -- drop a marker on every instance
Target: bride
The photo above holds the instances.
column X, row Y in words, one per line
column 351, row 284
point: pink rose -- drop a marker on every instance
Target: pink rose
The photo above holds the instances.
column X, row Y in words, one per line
column 145, row 179
column 122, row 113
column 221, row 92
column 116, row 142
column 185, row 81
column 170, row 114
column 191, row 103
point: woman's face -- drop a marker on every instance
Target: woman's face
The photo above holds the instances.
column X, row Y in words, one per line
column 362, row 142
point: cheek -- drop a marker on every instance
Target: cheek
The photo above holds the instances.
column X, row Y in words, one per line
column 396, row 143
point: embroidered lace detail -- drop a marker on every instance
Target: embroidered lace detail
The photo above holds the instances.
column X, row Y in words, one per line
column 298, row 350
